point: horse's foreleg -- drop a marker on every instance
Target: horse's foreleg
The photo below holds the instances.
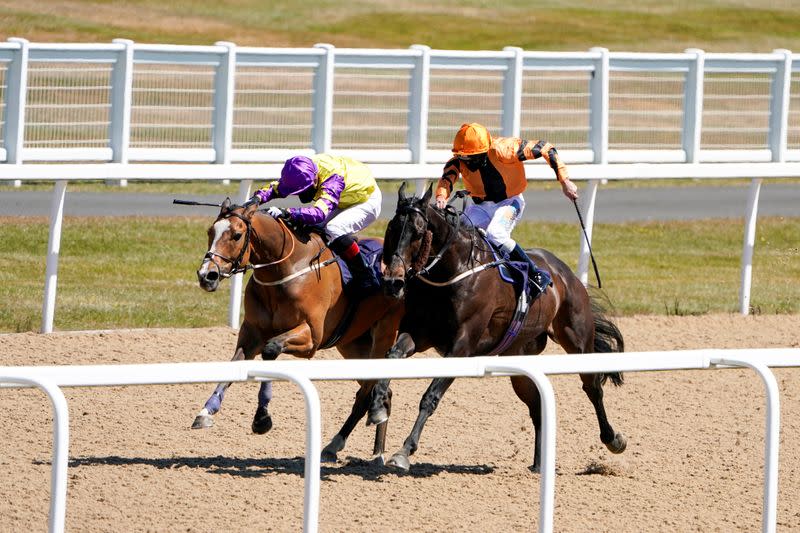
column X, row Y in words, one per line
column 593, row 387
column 428, row 404
column 298, row 342
column 247, row 348
column 360, row 406
column 377, row 412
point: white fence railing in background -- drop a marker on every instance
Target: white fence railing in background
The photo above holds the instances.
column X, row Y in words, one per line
column 51, row 378
column 115, row 111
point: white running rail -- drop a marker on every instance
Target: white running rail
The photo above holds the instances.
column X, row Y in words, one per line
column 51, row 378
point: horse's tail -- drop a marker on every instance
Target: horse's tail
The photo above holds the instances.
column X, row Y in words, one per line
column 607, row 336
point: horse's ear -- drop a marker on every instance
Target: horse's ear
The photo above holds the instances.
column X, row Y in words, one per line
column 401, row 194
column 426, row 198
column 226, row 205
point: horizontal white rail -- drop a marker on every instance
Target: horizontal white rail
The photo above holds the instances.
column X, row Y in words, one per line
column 50, row 378
column 265, row 171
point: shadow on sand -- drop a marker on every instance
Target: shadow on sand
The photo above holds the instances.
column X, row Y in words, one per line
column 247, row 467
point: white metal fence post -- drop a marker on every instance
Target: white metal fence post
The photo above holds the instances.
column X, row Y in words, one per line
column 16, row 97
column 779, row 106
column 512, row 93
column 693, row 106
column 224, row 88
column 418, row 101
column 751, row 215
column 769, row 516
column 121, row 98
column 53, row 249
column 58, row 472
column 548, row 438
column 322, row 129
column 313, row 443
column 778, row 132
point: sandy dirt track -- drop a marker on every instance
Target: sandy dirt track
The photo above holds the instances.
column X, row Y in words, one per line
column 694, row 460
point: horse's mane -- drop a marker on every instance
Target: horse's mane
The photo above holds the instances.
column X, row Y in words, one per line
column 302, row 232
column 455, row 219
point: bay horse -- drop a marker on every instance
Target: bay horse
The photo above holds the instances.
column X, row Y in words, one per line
column 457, row 303
column 294, row 303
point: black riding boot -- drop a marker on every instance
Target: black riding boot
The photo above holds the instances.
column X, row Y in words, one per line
column 364, row 279
column 540, row 277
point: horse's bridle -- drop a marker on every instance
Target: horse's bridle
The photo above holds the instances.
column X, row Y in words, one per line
column 414, row 271
column 236, row 264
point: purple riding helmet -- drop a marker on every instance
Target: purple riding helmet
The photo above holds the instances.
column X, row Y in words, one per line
column 297, row 176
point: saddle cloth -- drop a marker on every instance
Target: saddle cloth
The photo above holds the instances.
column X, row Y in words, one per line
column 373, row 252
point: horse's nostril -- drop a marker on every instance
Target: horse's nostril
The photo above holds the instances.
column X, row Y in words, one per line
column 212, row 276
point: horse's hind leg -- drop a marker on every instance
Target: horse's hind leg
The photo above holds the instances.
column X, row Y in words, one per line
column 247, row 347
column 593, row 387
column 430, row 400
column 360, row 406
column 526, row 391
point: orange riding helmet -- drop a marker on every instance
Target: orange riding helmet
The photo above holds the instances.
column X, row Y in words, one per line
column 472, row 139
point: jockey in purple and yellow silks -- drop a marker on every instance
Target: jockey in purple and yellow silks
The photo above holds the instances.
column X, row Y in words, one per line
column 345, row 199
column 494, row 174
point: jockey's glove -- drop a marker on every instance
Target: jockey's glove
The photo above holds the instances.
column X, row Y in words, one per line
column 259, row 197
column 277, row 212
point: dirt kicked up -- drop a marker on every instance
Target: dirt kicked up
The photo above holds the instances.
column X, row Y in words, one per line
column 694, row 460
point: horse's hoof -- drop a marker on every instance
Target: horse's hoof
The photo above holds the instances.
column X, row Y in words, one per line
column 379, row 416
column 400, row 462
column 617, row 445
column 536, row 469
column 328, row 456
column 261, row 424
column 202, row 422
column 378, row 460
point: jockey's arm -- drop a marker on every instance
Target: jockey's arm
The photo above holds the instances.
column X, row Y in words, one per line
column 326, row 200
column 536, row 149
column 265, row 194
column 446, row 182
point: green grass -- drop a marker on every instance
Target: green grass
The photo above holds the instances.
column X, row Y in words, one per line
column 132, row 272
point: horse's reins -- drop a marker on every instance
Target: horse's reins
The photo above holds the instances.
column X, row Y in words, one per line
column 451, row 236
column 237, row 267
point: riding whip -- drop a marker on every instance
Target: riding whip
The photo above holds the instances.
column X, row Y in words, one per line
column 589, row 244
column 192, row 202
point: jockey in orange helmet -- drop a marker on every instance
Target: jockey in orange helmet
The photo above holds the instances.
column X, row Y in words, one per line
column 494, row 174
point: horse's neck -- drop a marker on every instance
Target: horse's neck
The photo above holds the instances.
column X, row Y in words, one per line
column 273, row 242
column 458, row 248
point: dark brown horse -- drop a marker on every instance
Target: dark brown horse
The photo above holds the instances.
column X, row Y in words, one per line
column 294, row 303
column 457, row 303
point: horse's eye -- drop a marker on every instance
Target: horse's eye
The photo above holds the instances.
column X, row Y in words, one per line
column 236, row 236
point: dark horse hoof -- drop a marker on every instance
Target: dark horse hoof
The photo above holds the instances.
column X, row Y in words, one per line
column 400, row 462
column 379, row 416
column 617, row 445
column 329, row 452
column 202, row 422
column 262, row 423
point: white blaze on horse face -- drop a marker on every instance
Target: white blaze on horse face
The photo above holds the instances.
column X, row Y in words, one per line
column 220, row 227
